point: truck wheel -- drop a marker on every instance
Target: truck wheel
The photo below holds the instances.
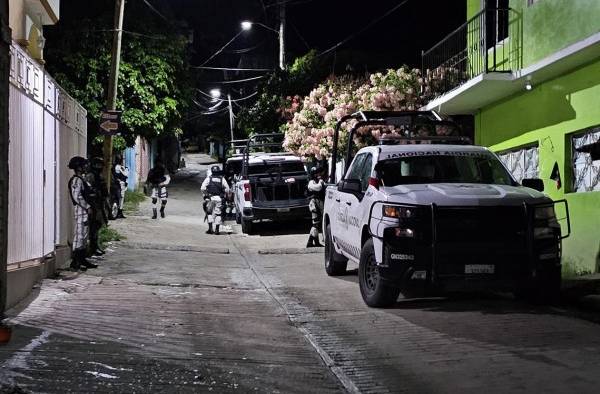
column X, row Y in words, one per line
column 247, row 226
column 374, row 291
column 335, row 263
column 113, row 209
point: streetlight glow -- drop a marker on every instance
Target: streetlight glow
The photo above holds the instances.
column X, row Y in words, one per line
column 246, row 25
column 216, row 93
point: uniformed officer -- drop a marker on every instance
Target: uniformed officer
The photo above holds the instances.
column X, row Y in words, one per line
column 121, row 174
column 158, row 179
column 316, row 193
column 81, row 196
column 99, row 215
column 214, row 188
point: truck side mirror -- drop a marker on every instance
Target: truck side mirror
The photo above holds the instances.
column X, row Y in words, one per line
column 353, row 186
column 533, row 183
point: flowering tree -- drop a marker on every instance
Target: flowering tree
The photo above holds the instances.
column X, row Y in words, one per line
column 311, row 122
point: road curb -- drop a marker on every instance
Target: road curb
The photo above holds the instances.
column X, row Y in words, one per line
column 291, row 251
column 171, row 248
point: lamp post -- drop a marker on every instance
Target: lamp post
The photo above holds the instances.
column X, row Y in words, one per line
column 247, row 26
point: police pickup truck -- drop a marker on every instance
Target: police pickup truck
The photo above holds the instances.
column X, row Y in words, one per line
column 273, row 184
column 429, row 213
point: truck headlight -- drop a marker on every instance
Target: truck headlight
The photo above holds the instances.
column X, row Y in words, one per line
column 392, row 211
column 545, row 213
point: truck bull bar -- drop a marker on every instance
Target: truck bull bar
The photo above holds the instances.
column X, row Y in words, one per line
column 528, row 217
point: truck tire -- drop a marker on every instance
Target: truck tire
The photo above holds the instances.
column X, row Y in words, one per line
column 374, row 291
column 246, row 226
column 113, row 209
column 335, row 263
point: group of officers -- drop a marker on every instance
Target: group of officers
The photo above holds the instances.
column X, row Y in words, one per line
column 89, row 194
column 90, row 197
column 216, row 192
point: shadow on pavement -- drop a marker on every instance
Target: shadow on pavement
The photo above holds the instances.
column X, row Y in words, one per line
column 271, row 229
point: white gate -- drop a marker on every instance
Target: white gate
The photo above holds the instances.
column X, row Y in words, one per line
column 41, row 130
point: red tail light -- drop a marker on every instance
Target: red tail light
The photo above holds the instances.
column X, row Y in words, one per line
column 374, row 182
column 247, row 192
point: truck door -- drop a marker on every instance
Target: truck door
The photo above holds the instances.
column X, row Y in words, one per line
column 357, row 206
column 347, row 204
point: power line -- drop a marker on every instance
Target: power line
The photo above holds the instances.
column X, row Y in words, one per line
column 367, row 27
column 235, row 80
column 222, row 48
column 156, row 11
column 231, row 68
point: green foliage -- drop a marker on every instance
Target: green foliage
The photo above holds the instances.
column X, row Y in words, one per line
column 107, row 234
column 133, row 200
column 265, row 115
column 154, row 82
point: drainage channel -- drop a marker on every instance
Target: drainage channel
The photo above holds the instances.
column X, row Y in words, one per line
column 294, row 310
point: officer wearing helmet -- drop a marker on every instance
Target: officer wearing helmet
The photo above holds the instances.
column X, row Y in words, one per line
column 316, row 193
column 82, row 197
column 121, row 174
column 99, row 216
column 214, row 188
column 157, row 180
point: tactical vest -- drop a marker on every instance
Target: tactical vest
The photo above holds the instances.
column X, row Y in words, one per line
column 87, row 192
column 213, row 188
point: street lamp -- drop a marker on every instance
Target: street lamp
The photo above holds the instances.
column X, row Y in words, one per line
column 215, row 93
column 247, row 26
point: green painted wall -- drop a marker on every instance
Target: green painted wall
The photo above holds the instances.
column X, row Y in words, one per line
column 551, row 25
column 546, row 115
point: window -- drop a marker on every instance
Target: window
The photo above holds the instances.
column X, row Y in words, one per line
column 497, row 20
column 366, row 172
column 454, row 167
column 355, row 171
column 586, row 160
column 523, row 163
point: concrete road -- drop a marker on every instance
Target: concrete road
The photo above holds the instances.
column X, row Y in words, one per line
column 172, row 309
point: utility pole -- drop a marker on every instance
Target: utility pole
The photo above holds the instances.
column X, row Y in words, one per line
column 231, row 117
column 113, row 83
column 5, row 41
column 282, row 36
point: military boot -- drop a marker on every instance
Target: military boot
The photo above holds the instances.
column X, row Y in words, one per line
column 154, row 213
column 217, row 230
column 210, row 229
column 162, row 212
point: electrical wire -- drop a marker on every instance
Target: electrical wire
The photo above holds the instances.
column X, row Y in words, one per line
column 236, row 80
column 222, row 48
column 368, row 26
column 156, row 11
column 232, row 68
column 226, row 100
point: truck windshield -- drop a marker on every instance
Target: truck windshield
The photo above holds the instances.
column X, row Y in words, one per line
column 447, row 168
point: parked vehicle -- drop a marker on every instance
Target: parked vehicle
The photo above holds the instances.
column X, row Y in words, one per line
column 435, row 213
column 273, row 184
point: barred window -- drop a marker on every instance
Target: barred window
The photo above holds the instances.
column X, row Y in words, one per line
column 586, row 160
column 523, row 163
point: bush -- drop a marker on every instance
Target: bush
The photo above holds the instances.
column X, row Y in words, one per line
column 108, row 234
column 133, row 200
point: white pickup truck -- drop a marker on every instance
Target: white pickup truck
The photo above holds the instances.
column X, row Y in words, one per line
column 430, row 213
column 273, row 185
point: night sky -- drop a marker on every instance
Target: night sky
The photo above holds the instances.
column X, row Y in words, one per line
column 397, row 39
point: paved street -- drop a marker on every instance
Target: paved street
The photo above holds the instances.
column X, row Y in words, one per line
column 172, row 309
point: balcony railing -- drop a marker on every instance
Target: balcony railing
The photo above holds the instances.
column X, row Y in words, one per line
column 491, row 41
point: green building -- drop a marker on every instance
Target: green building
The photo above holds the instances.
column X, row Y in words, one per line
column 529, row 73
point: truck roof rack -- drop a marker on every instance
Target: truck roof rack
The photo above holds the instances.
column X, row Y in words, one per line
column 399, row 140
column 417, row 126
column 262, row 141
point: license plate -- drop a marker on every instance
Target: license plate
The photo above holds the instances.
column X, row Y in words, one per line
column 283, row 209
column 479, row 269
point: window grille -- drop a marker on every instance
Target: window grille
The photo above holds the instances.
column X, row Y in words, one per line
column 523, row 163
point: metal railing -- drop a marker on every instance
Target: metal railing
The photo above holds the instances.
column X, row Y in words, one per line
column 491, row 41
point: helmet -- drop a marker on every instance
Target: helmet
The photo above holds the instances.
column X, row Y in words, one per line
column 77, row 162
column 314, row 171
column 215, row 170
